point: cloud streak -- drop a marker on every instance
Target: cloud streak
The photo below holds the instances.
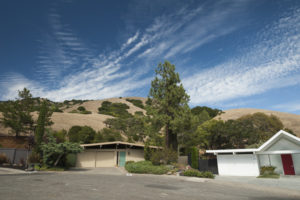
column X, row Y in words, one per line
column 274, row 62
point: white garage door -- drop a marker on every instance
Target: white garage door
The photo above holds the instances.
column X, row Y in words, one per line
column 106, row 159
column 86, row 159
column 238, row 165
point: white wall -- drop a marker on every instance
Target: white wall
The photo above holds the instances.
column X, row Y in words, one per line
column 238, row 165
column 275, row 160
column 283, row 144
column 296, row 160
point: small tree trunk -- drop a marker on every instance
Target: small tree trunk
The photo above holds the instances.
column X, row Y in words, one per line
column 58, row 159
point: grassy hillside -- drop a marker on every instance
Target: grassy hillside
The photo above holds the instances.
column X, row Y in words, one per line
column 289, row 120
column 65, row 119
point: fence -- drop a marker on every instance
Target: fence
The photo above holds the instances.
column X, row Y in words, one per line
column 16, row 156
column 209, row 165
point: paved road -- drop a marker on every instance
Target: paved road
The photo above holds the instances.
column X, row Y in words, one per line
column 74, row 185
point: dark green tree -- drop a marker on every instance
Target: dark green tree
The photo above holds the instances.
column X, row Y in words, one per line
column 17, row 114
column 168, row 100
column 43, row 121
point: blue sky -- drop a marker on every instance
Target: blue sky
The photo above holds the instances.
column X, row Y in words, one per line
column 230, row 54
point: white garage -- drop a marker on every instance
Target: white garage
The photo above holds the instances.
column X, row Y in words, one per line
column 282, row 151
column 109, row 154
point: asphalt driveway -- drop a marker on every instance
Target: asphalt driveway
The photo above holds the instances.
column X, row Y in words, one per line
column 75, row 185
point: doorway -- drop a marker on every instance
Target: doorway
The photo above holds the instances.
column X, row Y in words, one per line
column 122, row 158
column 288, row 165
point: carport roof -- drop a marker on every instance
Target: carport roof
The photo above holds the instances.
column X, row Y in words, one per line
column 117, row 143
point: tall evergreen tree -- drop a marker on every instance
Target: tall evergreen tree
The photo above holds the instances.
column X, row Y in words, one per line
column 169, row 100
column 44, row 120
column 17, row 114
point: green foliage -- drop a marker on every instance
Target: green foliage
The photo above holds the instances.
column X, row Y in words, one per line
column 81, row 108
column 194, row 151
column 16, row 114
column 147, row 152
column 196, row 173
column 136, row 102
column 247, row 131
column 55, row 108
column 111, row 135
column 114, row 109
column 44, row 120
column 81, row 134
column 139, row 113
column 70, row 160
column 165, row 156
column 168, row 99
column 60, row 136
column 54, row 154
column 133, row 127
column 267, row 170
column 3, row 158
column 145, row 167
column 74, row 102
column 211, row 112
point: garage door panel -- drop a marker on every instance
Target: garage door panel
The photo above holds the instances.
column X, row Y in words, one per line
column 238, row 165
column 86, row 159
column 105, row 159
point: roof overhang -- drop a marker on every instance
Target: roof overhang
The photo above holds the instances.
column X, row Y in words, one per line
column 118, row 143
column 263, row 147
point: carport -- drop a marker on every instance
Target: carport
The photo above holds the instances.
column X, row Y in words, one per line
column 110, row 154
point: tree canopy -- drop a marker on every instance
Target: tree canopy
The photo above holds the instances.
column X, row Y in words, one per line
column 168, row 100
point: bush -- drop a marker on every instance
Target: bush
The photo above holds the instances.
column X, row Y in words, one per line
column 81, row 108
column 136, row 102
column 266, row 170
column 114, row 109
column 128, row 162
column 165, row 156
column 70, row 160
column 196, row 173
column 3, row 158
column 73, row 111
column 194, row 157
column 81, row 134
column 145, row 167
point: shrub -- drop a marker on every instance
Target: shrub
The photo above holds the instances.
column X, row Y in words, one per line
column 73, row 111
column 147, row 153
column 114, row 109
column 81, row 108
column 194, row 157
column 70, row 160
column 136, row 102
column 128, row 162
column 165, row 155
column 266, row 170
column 3, row 158
column 145, row 167
column 85, row 112
column 196, row 173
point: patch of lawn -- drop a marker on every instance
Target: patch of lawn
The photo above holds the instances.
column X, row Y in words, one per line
column 276, row 176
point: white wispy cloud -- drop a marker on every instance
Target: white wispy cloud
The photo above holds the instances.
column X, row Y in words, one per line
column 75, row 70
column 274, row 62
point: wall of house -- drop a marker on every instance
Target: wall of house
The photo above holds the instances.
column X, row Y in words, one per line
column 135, row 155
column 106, row 157
column 275, row 160
column 296, row 160
column 283, row 144
column 238, row 165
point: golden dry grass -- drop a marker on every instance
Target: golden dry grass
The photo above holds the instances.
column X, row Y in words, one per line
column 66, row 120
column 289, row 120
